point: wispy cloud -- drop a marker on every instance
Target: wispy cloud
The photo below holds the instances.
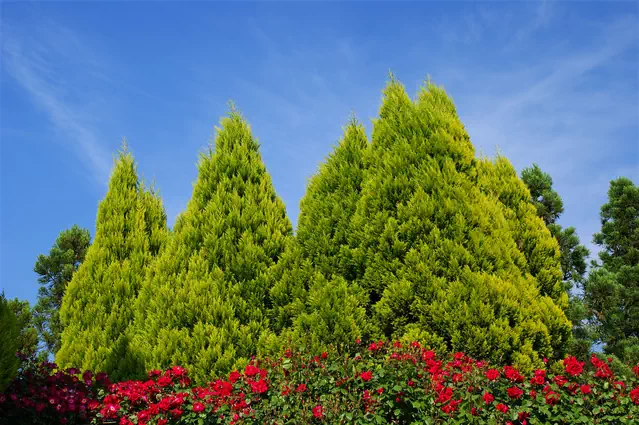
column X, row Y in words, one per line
column 557, row 111
column 33, row 59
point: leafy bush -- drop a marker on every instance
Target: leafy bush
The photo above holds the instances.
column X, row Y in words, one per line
column 45, row 394
column 378, row 383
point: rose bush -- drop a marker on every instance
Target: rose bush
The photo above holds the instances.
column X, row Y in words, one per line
column 379, row 383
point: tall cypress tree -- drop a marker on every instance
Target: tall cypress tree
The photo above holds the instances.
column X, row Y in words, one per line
column 438, row 254
column 98, row 306
column 205, row 305
column 315, row 300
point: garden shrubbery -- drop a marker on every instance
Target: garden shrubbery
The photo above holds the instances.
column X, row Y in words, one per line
column 380, row 382
column 407, row 236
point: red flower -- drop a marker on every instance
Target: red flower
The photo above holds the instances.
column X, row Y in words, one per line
column 164, row 381
column 488, row 398
column 251, row 370
column 634, row 395
column 162, row 421
column 259, row 387
column 636, row 370
column 444, row 395
column 198, row 407
column 318, row 412
column 502, row 408
column 380, row 390
column 585, row 389
column 514, row 392
column 573, row 366
column 234, row 376
column 552, row 398
column 324, row 355
column 492, row 374
column 301, row 388
column 513, row 374
column 366, row 376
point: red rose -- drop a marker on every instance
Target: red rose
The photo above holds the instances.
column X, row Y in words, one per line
column 514, row 392
column 585, row 389
column 492, row 374
column 488, row 398
column 318, row 412
column 198, row 407
column 502, row 408
column 324, row 355
column 366, row 376
column 251, row 370
column 634, row 395
column 552, row 398
column 234, row 376
column 573, row 366
column 259, row 387
column 301, row 388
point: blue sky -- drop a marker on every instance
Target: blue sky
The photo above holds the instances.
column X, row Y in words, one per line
column 556, row 83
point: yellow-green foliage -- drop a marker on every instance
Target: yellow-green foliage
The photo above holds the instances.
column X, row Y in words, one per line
column 205, row 304
column 446, row 246
column 98, row 307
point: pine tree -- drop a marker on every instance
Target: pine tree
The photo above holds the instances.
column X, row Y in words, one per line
column 55, row 271
column 438, row 254
column 612, row 287
column 205, row 305
column 98, row 306
column 573, row 255
column 9, row 334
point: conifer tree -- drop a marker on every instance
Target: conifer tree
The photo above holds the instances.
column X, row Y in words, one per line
column 55, row 271
column 573, row 255
column 98, row 306
column 316, row 302
column 612, row 288
column 205, row 305
column 9, row 335
column 439, row 255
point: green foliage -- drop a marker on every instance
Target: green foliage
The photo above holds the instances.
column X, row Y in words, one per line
column 573, row 255
column 612, row 287
column 444, row 246
column 56, row 270
column 547, row 201
column 315, row 301
column 98, row 306
column 206, row 301
column 28, row 335
column 9, row 335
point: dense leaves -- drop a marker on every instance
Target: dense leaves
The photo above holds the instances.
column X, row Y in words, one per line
column 379, row 383
column 55, row 271
column 206, row 301
column 446, row 248
column 9, row 334
column 98, row 307
column 612, row 288
column 573, row 255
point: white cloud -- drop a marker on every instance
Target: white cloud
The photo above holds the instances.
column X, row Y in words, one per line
column 32, row 59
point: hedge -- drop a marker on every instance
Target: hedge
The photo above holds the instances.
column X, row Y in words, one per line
column 379, row 383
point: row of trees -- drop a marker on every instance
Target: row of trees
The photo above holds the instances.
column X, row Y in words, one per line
column 408, row 236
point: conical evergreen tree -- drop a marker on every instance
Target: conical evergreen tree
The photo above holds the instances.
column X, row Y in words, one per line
column 437, row 254
column 316, row 302
column 205, row 305
column 98, row 307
